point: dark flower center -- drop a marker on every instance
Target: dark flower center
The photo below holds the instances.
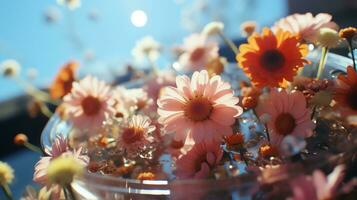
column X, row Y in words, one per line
column 197, row 54
column 198, row 109
column 272, row 60
column 132, row 134
column 285, row 124
column 91, row 105
column 352, row 98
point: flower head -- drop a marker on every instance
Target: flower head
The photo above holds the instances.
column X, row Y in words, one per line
column 63, row 81
column 348, row 33
column 247, row 28
column 58, row 148
column 200, row 108
column 328, row 38
column 269, row 59
column 61, row 170
column 20, row 139
column 6, row 174
column 317, row 186
column 345, row 92
column 213, row 28
column 306, row 26
column 71, row 4
column 288, row 115
column 135, row 134
column 146, row 176
column 88, row 103
column 145, row 48
column 198, row 162
column 197, row 51
column 216, row 66
column 10, row 68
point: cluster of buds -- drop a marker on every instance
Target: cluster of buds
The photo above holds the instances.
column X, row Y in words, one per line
column 250, row 96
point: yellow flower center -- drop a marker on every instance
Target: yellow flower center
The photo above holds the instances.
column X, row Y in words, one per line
column 272, row 60
column 91, row 105
column 198, row 109
column 284, row 124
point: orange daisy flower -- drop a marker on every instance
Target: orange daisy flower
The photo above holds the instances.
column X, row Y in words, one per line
column 346, row 92
column 62, row 83
column 271, row 59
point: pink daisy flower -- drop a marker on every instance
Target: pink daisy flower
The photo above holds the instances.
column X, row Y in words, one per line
column 288, row 115
column 197, row 51
column 318, row 186
column 305, row 25
column 135, row 134
column 198, row 162
column 202, row 108
column 155, row 83
column 59, row 147
column 88, row 103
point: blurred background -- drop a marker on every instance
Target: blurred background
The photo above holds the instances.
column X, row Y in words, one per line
column 42, row 35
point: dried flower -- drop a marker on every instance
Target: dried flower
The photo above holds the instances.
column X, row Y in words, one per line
column 63, row 81
column 269, row 59
column 146, row 48
column 6, row 174
column 202, row 108
column 62, row 170
column 328, row 38
column 306, row 26
column 198, row 162
column 288, row 115
column 20, row 139
column 267, row 151
column 247, row 28
column 213, row 28
column 234, row 140
column 71, row 4
column 348, row 33
column 197, row 52
column 10, row 68
column 88, row 103
column 146, row 176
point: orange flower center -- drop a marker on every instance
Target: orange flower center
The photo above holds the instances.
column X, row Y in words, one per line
column 176, row 144
column 198, row 109
column 285, row 124
column 352, row 98
column 132, row 134
column 197, row 54
column 272, row 60
column 91, row 105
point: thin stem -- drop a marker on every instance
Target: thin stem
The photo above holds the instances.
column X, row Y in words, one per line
column 267, row 132
column 229, row 43
column 68, row 192
column 313, row 112
column 32, row 147
column 243, row 157
column 7, row 191
column 353, row 54
column 322, row 62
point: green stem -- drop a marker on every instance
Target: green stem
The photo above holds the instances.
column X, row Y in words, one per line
column 33, row 147
column 229, row 43
column 322, row 62
column 353, row 54
column 7, row 191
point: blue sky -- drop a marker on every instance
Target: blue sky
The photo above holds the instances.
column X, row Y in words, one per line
column 26, row 37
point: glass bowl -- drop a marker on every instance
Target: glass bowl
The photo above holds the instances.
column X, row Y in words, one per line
column 97, row 186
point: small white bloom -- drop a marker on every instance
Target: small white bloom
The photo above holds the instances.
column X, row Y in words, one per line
column 146, row 47
column 6, row 173
column 10, row 68
column 71, row 4
column 328, row 38
column 213, row 28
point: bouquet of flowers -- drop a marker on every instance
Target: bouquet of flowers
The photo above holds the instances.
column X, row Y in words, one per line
column 276, row 122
